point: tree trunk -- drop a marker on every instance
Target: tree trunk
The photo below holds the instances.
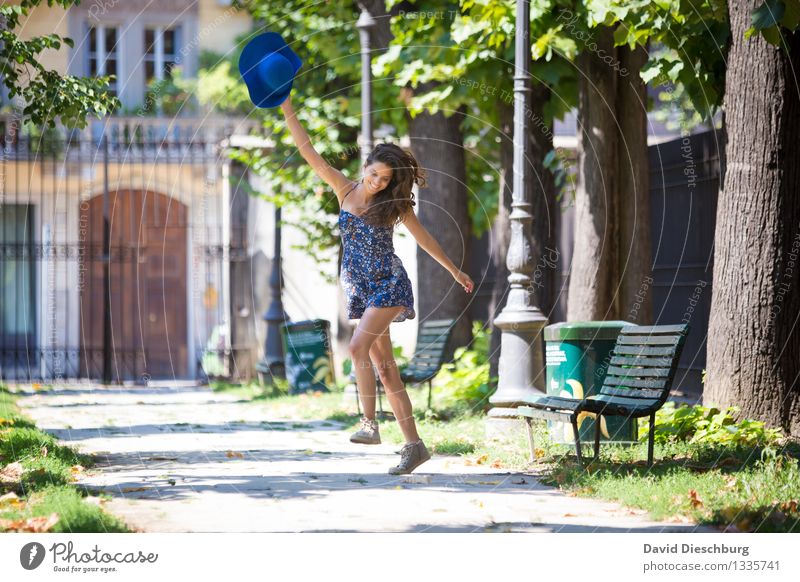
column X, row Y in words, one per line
column 438, row 145
column 753, row 337
column 501, row 230
column 594, row 270
column 634, row 257
column 543, row 205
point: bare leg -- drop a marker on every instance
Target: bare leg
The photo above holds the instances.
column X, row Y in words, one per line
column 373, row 324
column 383, row 358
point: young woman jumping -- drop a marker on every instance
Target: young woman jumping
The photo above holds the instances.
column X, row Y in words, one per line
column 375, row 283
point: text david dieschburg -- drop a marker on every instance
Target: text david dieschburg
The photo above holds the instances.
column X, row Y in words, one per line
column 693, row 549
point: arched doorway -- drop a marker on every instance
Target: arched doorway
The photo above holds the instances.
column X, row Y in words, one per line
column 148, row 286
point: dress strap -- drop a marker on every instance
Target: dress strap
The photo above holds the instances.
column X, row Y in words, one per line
column 350, row 190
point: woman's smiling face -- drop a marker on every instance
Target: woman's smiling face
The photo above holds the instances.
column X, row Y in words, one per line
column 376, row 177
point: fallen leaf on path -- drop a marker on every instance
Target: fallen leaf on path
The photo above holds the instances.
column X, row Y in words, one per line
column 234, row 454
column 161, row 459
column 789, row 506
column 496, row 464
column 694, row 500
column 679, row 519
column 31, row 524
column 133, row 489
column 11, row 473
column 10, row 499
column 569, row 515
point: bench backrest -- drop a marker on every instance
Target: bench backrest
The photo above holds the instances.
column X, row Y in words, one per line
column 433, row 338
column 644, row 361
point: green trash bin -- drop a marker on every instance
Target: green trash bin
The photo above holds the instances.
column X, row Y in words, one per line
column 577, row 355
column 308, row 356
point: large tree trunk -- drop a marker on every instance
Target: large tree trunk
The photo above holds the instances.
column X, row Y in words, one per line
column 753, row 336
column 633, row 202
column 438, row 145
column 543, row 205
column 593, row 274
column 501, row 230
column 611, row 276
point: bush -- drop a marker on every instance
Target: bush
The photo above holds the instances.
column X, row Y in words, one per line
column 465, row 381
column 703, row 425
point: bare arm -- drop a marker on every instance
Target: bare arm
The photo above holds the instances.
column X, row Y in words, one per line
column 430, row 246
column 333, row 177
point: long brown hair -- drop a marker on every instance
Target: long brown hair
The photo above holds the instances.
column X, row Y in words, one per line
column 390, row 205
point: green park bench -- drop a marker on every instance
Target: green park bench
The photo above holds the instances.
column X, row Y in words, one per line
column 637, row 383
column 430, row 352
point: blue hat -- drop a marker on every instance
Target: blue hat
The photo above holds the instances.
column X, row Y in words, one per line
column 268, row 67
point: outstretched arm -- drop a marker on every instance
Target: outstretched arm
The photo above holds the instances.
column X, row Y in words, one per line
column 429, row 244
column 333, row 177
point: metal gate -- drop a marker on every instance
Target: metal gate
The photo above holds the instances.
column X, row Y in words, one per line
column 115, row 250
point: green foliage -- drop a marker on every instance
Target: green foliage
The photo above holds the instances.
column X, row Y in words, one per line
column 172, row 96
column 47, row 94
column 772, row 16
column 465, row 382
column 687, row 43
column 709, row 426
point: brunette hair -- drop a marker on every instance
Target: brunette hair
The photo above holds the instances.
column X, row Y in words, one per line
column 389, row 205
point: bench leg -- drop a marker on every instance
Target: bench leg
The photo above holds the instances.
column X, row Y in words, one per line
column 596, row 437
column 577, row 439
column 430, row 387
column 650, row 440
column 529, row 424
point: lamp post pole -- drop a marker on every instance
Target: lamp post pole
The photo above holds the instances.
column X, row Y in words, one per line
column 521, row 367
column 275, row 314
column 365, row 25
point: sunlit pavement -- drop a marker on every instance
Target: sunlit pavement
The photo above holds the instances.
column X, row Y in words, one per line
column 179, row 458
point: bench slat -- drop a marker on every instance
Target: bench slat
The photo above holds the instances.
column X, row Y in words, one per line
column 647, row 340
column 657, row 372
column 531, row 412
column 639, row 329
column 635, row 393
column 649, row 362
column 656, row 383
column 649, row 351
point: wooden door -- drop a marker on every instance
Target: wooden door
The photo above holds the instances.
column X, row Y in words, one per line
column 148, row 287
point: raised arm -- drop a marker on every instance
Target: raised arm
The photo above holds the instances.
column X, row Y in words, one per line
column 429, row 244
column 333, row 177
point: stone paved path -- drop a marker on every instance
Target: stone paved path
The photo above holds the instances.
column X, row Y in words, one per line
column 186, row 459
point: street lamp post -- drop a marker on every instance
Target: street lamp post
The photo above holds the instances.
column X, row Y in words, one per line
column 365, row 25
column 275, row 314
column 521, row 364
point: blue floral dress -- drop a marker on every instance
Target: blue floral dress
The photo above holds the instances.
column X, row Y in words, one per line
column 372, row 275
